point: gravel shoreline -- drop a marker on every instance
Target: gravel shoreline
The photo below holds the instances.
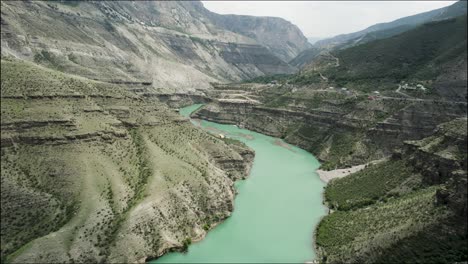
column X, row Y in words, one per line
column 327, row 176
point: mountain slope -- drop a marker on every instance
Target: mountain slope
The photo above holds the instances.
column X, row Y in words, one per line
column 421, row 55
column 280, row 36
column 92, row 173
column 347, row 107
column 152, row 42
column 383, row 30
column 411, row 208
column 305, row 57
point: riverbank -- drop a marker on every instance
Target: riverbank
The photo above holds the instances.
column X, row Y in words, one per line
column 275, row 211
column 327, row 176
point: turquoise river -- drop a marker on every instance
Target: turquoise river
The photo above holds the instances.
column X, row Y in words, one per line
column 276, row 210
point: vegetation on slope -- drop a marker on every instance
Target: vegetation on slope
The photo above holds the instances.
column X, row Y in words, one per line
column 352, row 114
column 414, row 56
column 409, row 209
column 362, row 235
column 352, row 94
column 383, row 30
column 361, row 189
column 93, row 173
column 437, row 244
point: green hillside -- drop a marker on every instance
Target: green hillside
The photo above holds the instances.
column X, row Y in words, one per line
column 416, row 55
column 361, row 189
column 81, row 161
column 383, row 30
column 433, row 54
column 408, row 209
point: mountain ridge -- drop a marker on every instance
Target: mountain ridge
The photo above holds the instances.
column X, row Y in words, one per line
column 454, row 10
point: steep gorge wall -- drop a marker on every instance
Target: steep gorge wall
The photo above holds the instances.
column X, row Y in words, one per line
column 313, row 130
column 282, row 37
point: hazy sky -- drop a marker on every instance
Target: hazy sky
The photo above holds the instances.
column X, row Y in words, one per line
column 327, row 18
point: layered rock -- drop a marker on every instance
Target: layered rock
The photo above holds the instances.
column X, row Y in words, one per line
column 164, row 44
column 442, row 158
column 107, row 176
column 337, row 126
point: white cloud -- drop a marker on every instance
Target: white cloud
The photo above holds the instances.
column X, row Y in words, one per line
column 327, row 18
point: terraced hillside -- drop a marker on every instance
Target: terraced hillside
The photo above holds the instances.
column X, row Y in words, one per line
column 90, row 172
column 96, row 168
column 411, row 208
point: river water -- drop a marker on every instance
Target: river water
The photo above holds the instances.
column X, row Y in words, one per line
column 276, row 210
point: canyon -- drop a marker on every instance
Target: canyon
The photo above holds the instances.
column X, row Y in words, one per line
column 98, row 165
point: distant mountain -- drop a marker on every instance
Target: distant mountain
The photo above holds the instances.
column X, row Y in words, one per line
column 383, row 30
column 281, row 37
column 305, row 57
column 313, row 40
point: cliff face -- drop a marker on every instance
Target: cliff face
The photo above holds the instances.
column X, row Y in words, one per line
column 341, row 128
column 442, row 158
column 168, row 44
column 281, row 37
column 91, row 172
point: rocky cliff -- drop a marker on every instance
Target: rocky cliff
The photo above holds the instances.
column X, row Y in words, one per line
column 442, row 158
column 92, row 172
column 167, row 44
column 341, row 128
column 281, row 37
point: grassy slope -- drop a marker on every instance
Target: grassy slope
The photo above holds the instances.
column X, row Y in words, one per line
column 110, row 157
column 388, row 213
column 362, row 235
column 416, row 55
column 336, row 147
column 361, row 189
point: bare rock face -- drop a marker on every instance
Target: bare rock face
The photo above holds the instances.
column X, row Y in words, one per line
column 167, row 44
column 441, row 158
column 281, row 37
